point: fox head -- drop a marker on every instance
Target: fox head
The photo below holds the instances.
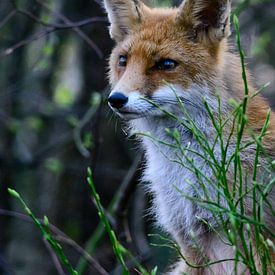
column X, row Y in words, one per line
column 159, row 47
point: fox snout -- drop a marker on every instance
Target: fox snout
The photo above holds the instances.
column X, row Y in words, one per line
column 117, row 100
column 127, row 105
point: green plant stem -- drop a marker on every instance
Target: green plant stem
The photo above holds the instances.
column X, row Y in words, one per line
column 46, row 233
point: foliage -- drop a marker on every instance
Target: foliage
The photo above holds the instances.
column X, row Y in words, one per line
column 50, row 131
column 44, row 228
column 236, row 226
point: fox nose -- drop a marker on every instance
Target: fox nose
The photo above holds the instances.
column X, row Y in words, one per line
column 117, row 100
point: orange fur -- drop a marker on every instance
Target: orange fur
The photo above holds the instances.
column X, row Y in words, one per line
column 199, row 45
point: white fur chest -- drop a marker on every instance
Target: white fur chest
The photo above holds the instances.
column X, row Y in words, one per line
column 171, row 180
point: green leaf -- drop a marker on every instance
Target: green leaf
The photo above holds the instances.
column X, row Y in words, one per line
column 46, row 221
column 54, row 165
column 236, row 21
column 35, row 123
column 154, row 271
column 88, row 140
column 73, row 120
column 48, row 49
column 13, row 193
column 176, row 135
column 63, row 96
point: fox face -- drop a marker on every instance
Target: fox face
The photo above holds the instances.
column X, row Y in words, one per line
column 162, row 54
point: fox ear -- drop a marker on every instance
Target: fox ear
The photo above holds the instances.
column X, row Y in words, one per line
column 206, row 20
column 124, row 16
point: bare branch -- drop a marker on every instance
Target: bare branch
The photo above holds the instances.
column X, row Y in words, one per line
column 82, row 252
column 7, row 18
column 26, row 41
column 128, row 186
column 76, row 29
column 54, row 258
column 59, row 235
column 57, row 26
column 51, row 27
column 117, row 208
column 77, row 131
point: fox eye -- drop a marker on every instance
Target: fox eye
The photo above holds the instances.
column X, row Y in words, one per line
column 122, row 61
column 166, row 65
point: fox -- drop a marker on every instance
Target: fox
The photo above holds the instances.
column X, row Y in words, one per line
column 166, row 55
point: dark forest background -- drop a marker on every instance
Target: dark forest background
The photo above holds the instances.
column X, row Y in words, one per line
column 54, row 123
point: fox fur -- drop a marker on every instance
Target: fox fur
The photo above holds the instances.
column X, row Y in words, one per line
column 195, row 35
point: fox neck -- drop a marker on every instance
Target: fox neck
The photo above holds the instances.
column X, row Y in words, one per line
column 168, row 171
column 166, row 177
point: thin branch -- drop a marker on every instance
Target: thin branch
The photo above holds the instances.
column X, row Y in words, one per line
column 76, row 29
column 78, row 24
column 127, row 186
column 26, row 41
column 59, row 235
column 51, row 27
column 82, row 252
column 116, row 208
column 56, row 262
column 7, row 18
column 77, row 130
column 137, row 224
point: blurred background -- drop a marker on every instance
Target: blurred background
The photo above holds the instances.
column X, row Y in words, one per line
column 54, row 123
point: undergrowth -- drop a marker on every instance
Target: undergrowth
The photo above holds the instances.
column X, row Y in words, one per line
column 238, row 229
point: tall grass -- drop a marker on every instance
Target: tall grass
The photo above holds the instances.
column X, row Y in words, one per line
column 120, row 252
column 46, row 233
column 246, row 234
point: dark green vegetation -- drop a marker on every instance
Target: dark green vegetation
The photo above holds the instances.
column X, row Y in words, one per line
column 54, row 123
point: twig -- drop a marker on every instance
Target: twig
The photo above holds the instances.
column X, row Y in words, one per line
column 26, row 41
column 82, row 252
column 7, row 18
column 118, row 202
column 56, row 262
column 127, row 188
column 137, row 224
column 118, row 249
column 78, row 24
column 60, row 141
column 5, row 267
column 77, row 131
column 59, row 235
column 76, row 29
column 51, row 27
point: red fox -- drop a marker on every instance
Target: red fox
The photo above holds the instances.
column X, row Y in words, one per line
column 163, row 55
